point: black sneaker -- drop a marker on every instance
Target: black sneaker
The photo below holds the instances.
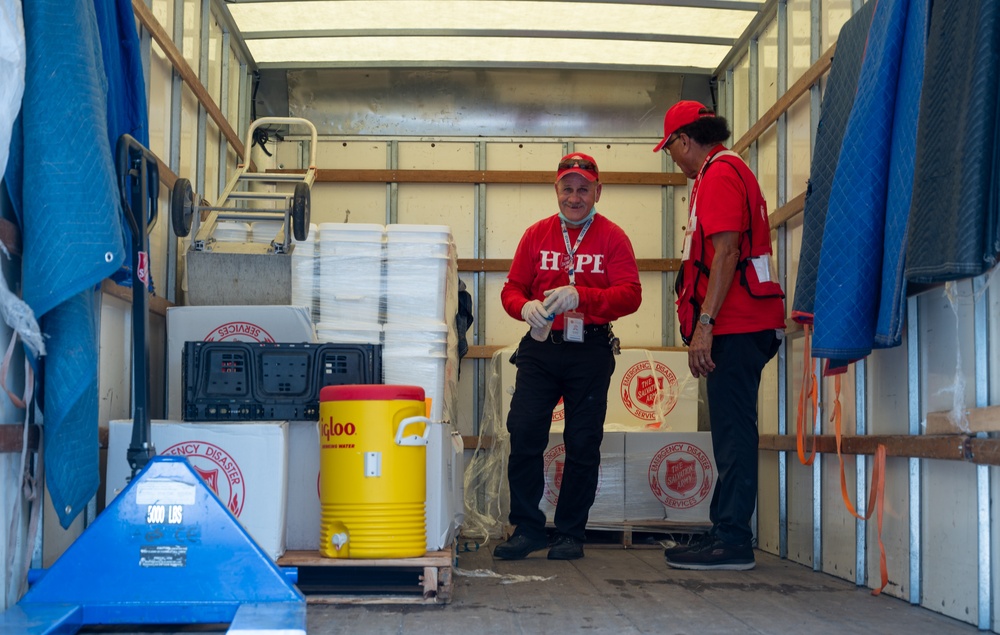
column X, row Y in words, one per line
column 518, row 547
column 714, row 555
column 566, row 548
column 697, row 543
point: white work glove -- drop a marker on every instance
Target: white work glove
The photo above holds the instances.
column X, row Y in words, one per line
column 534, row 313
column 561, row 299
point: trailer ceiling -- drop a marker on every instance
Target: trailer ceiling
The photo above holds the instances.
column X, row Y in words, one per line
column 674, row 36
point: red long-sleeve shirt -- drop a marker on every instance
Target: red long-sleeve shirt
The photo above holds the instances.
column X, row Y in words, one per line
column 607, row 277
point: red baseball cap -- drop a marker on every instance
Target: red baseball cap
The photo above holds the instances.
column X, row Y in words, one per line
column 681, row 114
column 578, row 163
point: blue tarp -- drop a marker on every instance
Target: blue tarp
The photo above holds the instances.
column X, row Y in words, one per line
column 61, row 180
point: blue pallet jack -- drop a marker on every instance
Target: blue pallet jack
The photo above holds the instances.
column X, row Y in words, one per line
column 166, row 550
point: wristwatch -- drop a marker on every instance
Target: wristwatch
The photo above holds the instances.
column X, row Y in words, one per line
column 706, row 319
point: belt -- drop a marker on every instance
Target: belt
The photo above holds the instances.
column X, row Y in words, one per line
column 588, row 330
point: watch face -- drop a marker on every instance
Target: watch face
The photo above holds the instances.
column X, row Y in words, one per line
column 704, row 318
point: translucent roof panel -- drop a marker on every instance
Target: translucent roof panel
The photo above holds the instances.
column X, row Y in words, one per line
column 667, row 35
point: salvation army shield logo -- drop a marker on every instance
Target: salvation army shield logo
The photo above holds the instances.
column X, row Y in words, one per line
column 554, row 465
column 217, row 468
column 211, row 478
column 681, row 475
column 646, row 388
column 649, row 394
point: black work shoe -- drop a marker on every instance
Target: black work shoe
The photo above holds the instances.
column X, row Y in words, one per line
column 518, row 547
column 696, row 543
column 714, row 555
column 566, row 548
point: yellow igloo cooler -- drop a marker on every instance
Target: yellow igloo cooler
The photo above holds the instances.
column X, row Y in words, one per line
column 373, row 453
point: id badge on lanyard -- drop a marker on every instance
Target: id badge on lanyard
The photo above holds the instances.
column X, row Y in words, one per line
column 573, row 320
column 688, row 236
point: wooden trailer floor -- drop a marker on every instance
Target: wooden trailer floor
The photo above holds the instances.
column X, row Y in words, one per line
column 624, row 591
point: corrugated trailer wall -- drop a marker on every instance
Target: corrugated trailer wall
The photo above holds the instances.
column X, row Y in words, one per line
column 938, row 527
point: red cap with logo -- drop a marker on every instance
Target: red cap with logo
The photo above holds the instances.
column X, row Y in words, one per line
column 578, row 163
column 681, row 114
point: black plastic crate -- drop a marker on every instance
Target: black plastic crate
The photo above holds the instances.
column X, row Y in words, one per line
column 252, row 381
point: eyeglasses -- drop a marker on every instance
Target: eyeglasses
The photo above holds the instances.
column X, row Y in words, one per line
column 583, row 164
column 666, row 146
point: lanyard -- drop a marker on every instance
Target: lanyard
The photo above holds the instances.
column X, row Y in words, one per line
column 697, row 183
column 693, row 202
column 571, row 251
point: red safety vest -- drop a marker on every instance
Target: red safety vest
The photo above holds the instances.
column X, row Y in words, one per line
column 755, row 250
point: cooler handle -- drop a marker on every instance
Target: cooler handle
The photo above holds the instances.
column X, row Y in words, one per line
column 413, row 439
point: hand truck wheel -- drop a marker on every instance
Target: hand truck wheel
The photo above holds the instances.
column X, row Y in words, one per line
column 181, row 207
column 300, row 211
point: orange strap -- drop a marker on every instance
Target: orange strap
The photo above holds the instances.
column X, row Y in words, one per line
column 18, row 402
column 807, row 392
column 877, row 492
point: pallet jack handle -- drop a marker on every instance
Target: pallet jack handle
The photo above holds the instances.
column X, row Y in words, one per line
column 139, row 184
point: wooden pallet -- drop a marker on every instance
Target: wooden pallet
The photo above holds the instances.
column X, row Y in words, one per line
column 423, row 580
column 639, row 533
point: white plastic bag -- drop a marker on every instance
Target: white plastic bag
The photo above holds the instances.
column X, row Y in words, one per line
column 11, row 72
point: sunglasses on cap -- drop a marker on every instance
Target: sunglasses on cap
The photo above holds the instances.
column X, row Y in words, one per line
column 583, row 164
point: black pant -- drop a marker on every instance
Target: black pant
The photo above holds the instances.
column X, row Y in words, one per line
column 546, row 371
column 732, row 406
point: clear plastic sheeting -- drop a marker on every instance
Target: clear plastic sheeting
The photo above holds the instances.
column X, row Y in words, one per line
column 487, row 497
column 350, row 273
column 505, row 578
column 304, row 272
column 958, row 300
column 12, row 56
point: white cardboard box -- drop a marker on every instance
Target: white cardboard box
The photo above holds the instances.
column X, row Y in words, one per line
column 609, row 501
column 302, row 514
column 285, row 324
column 245, row 464
column 655, row 390
column 445, row 486
column 649, row 390
column 669, row 476
column 445, row 501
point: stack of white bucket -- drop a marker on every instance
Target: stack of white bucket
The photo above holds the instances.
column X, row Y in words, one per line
column 264, row 231
column 338, row 272
column 415, row 347
column 231, row 232
column 349, row 288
